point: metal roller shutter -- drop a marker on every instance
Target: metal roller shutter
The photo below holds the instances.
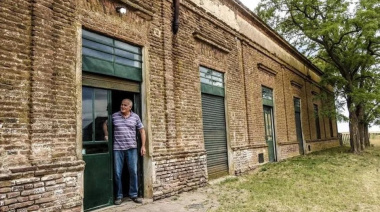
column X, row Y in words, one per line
column 214, row 130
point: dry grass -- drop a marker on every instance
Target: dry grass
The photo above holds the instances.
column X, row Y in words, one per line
column 331, row 180
column 375, row 141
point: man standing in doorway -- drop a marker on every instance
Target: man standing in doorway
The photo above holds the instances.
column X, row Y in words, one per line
column 125, row 123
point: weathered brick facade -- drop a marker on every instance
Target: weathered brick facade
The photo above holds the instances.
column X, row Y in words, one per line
column 41, row 166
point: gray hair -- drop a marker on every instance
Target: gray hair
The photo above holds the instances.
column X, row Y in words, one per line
column 129, row 101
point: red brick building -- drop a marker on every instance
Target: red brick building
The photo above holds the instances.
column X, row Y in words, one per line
column 220, row 96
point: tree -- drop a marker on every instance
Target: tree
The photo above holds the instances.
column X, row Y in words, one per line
column 343, row 39
column 372, row 113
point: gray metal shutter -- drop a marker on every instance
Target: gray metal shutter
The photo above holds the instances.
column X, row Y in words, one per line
column 214, row 130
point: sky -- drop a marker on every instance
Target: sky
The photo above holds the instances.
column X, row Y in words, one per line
column 342, row 127
column 251, row 4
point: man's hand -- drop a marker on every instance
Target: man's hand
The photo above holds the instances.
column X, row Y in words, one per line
column 143, row 151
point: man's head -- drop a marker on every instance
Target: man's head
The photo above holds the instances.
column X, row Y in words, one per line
column 126, row 106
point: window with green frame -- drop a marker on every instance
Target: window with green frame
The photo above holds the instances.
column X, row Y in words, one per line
column 267, row 95
column 212, row 82
column 105, row 55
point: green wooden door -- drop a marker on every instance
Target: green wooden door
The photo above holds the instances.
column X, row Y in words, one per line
column 214, row 130
column 269, row 133
column 297, row 110
column 98, row 186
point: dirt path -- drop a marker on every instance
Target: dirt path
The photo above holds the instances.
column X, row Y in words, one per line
column 200, row 200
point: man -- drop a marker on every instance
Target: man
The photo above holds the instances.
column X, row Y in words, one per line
column 125, row 123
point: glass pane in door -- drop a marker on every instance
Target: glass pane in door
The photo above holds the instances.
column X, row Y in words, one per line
column 87, row 113
column 94, row 120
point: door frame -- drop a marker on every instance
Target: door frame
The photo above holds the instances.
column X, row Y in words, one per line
column 147, row 160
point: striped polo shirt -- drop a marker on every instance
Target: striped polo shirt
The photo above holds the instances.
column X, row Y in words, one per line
column 125, row 130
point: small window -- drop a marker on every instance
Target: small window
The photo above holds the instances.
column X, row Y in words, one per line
column 212, row 82
column 211, row 77
column 316, row 117
column 267, row 95
column 297, row 104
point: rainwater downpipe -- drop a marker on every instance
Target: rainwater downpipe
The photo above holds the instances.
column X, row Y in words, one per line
column 176, row 16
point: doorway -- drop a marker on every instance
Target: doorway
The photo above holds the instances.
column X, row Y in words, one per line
column 98, row 105
column 297, row 111
column 117, row 97
column 269, row 133
column 215, row 136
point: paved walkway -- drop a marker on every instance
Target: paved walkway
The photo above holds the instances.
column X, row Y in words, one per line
column 201, row 200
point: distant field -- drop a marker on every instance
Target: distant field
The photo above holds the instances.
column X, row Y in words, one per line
column 375, row 141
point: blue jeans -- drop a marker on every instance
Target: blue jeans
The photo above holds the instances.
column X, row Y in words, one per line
column 130, row 157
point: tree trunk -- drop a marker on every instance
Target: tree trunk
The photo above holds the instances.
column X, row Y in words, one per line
column 354, row 133
column 360, row 115
column 366, row 136
column 354, row 128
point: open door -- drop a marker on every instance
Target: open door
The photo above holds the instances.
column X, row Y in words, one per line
column 97, row 151
column 297, row 111
column 269, row 133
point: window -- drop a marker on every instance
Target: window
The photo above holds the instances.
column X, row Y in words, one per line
column 316, row 117
column 331, row 128
column 104, row 55
column 211, row 77
column 212, row 82
column 267, row 95
column 297, row 104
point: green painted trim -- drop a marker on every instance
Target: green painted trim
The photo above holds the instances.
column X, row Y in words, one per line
column 128, row 72
column 268, row 102
column 94, row 65
column 109, row 45
column 213, row 90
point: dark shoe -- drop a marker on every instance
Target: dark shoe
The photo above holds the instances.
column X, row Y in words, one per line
column 136, row 200
column 118, row 201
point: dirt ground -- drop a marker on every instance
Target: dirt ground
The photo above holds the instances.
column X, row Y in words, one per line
column 200, row 200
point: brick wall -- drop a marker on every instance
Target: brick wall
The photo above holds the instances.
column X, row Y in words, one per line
column 321, row 145
column 39, row 165
column 42, row 188
column 176, row 173
column 246, row 159
column 15, row 57
column 40, row 168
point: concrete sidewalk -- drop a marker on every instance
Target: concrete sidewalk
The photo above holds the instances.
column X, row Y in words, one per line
column 200, row 200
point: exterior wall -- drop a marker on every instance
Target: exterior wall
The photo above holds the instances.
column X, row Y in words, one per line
column 41, row 166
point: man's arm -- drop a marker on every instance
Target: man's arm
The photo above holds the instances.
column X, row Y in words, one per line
column 142, row 134
column 105, row 130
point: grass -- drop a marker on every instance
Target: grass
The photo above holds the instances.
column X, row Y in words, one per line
column 331, row 180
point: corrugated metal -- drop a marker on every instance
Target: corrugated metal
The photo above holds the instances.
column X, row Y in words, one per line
column 214, row 130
